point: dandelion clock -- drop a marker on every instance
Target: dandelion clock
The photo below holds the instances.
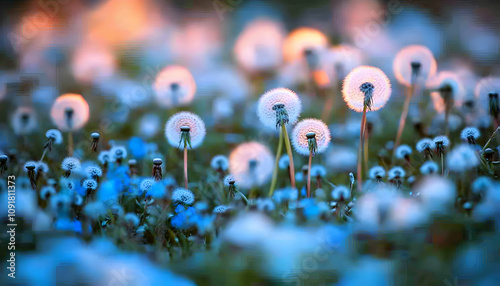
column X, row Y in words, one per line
column 251, row 164
column 70, row 112
column 414, row 65
column 174, row 86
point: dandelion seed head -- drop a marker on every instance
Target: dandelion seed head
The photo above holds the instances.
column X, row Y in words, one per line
column 341, row 159
column 251, row 164
column 183, row 196
column 219, row 162
column 485, row 87
column 93, row 171
column 46, row 192
column 341, row 192
column 366, row 79
column 104, row 157
column 220, row 209
column 29, row 165
column 67, row 184
column 95, row 210
column 70, row 164
column 302, row 39
column 79, row 112
column 343, row 59
column 118, row 153
column 228, row 179
column 424, row 144
column 446, row 81
column 482, row 185
column 285, row 98
column 396, row 173
column 24, row 121
column 174, row 86
column 429, row 167
column 146, row 185
column 55, row 135
column 442, row 140
column 461, row 159
column 376, row 172
column 196, row 126
column 469, row 132
column 41, row 167
column 149, row 125
column 318, row 171
column 411, row 58
column 436, row 192
column 90, row 184
column 259, row 46
column 60, row 204
column 403, row 151
column 299, row 136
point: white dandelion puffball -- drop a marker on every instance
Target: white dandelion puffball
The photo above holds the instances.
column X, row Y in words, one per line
column 355, row 97
column 90, row 184
column 485, row 87
column 70, row 112
column 259, row 46
column 470, row 133
column 251, row 164
column 70, row 164
column 174, row 86
column 376, row 172
column 446, row 79
column 228, row 179
column 55, row 135
column 24, row 121
column 343, row 59
column 301, row 39
column 196, row 126
column 414, row 63
column 299, row 138
column 219, row 162
column 461, row 159
column 266, row 107
column 183, row 196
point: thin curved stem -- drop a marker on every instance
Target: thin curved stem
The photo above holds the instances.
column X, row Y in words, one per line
column 404, row 115
column 360, row 148
column 276, row 164
column 290, row 156
column 309, row 175
column 185, row 167
column 43, row 155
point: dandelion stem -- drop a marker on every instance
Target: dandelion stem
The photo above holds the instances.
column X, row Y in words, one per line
column 309, row 174
column 365, row 152
column 290, row 155
column 404, row 115
column 70, row 144
column 43, row 155
column 276, row 164
column 442, row 164
column 360, row 148
column 446, row 118
column 185, row 167
column 493, row 135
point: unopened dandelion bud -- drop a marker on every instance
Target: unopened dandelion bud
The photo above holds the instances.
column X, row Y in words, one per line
column 30, row 168
column 95, row 141
column 132, row 164
column 488, row 154
column 157, row 169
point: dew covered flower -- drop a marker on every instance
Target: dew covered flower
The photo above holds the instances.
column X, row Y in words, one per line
column 174, row 86
column 251, row 164
column 259, row 46
column 470, row 134
column 376, row 173
column 403, row 152
column 300, row 140
column 24, row 121
column 366, row 85
column 429, row 167
column 189, row 121
column 183, row 196
column 300, row 40
column 414, row 64
column 279, row 106
column 461, row 159
column 219, row 162
column 70, row 112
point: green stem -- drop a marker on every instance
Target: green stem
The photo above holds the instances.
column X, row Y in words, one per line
column 290, row 156
column 276, row 164
column 404, row 115
column 360, row 148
